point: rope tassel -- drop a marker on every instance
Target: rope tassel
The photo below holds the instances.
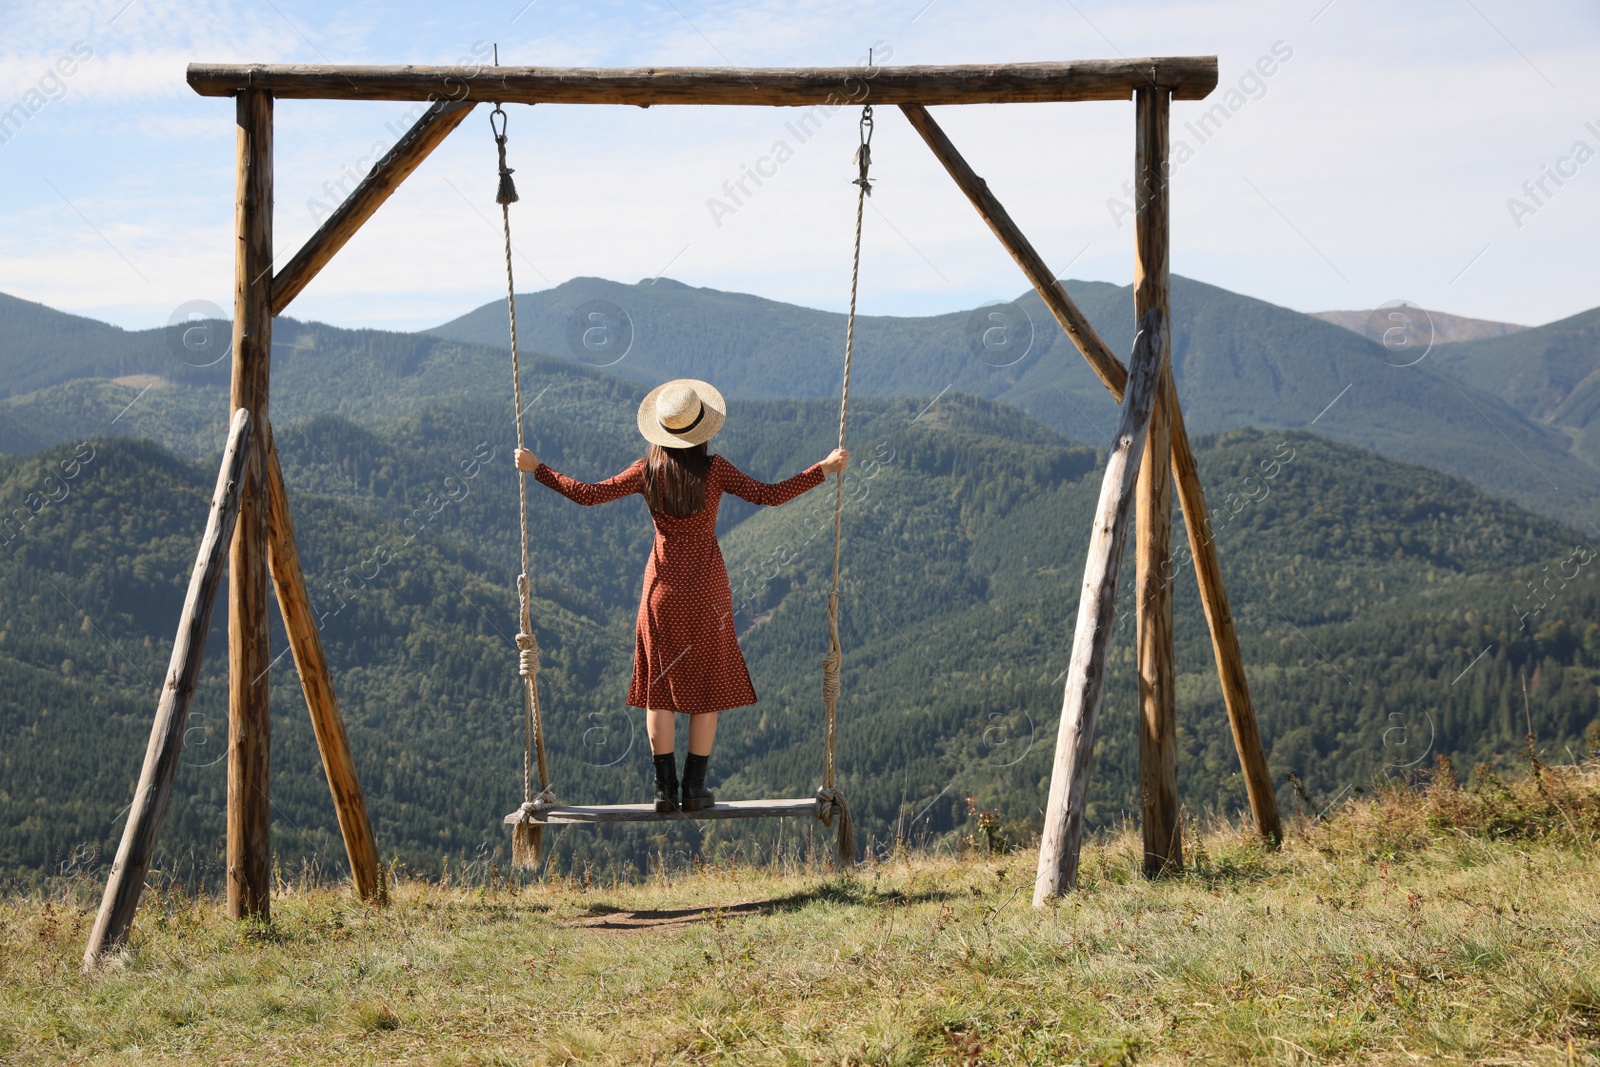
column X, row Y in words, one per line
column 527, row 845
column 830, row 806
column 507, row 193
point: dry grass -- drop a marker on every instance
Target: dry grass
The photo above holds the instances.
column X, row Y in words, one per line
column 1410, row 926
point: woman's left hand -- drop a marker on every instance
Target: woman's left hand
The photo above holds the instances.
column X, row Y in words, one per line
column 837, row 460
column 526, row 461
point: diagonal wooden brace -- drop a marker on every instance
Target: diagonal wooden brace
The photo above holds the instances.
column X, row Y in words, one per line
column 379, row 184
column 311, row 663
column 154, row 791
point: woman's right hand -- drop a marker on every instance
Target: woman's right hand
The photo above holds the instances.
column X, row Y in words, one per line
column 526, row 461
column 837, row 460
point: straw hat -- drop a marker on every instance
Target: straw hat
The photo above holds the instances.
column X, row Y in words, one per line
column 681, row 413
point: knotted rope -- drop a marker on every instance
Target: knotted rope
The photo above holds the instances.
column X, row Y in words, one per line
column 542, row 801
column 830, row 800
column 527, row 837
column 527, row 656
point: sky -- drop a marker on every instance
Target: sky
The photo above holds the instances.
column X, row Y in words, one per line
column 1395, row 152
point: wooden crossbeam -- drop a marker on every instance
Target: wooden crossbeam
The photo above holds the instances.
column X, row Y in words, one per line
column 578, row 814
column 150, row 798
column 1186, row 77
column 426, row 134
column 1186, row 472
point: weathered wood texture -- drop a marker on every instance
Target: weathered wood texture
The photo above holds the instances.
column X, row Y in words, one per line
column 736, row 809
column 1158, row 745
column 380, row 183
column 1086, row 671
column 311, row 663
column 1186, row 77
column 249, row 654
column 161, row 756
column 1224, row 638
column 1186, row 473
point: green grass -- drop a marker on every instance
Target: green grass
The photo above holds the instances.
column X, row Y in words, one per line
column 1408, row 926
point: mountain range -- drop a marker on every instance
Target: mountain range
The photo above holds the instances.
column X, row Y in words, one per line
column 1511, row 414
column 1389, row 611
column 1238, row 362
column 1440, row 327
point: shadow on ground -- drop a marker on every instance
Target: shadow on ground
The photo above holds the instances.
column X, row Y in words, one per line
column 622, row 920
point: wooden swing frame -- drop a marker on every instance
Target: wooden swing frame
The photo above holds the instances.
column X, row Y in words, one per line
column 263, row 542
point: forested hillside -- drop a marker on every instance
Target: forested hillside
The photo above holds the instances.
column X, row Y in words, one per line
column 1385, row 610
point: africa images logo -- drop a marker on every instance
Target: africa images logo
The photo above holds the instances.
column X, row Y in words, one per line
column 52, row 85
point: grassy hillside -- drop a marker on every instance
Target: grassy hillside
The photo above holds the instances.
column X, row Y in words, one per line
column 1454, row 926
column 1383, row 609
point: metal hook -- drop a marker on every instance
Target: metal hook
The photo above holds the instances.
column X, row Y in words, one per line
column 864, row 153
column 499, row 131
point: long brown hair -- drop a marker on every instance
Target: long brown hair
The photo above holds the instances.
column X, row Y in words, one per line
column 675, row 479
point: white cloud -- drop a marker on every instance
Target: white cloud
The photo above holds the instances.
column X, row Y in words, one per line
column 1390, row 142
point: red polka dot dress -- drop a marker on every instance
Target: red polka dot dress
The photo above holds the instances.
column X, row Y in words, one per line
column 686, row 656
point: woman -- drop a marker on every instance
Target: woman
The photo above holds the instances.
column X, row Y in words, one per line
column 686, row 657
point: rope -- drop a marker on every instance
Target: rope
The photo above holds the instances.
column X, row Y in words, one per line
column 527, row 656
column 526, row 837
column 542, row 801
column 830, row 801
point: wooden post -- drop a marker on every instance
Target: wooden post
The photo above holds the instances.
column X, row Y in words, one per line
column 1111, row 371
column 1158, row 743
column 349, row 803
column 249, row 653
column 150, row 798
column 1196, row 515
column 1069, row 776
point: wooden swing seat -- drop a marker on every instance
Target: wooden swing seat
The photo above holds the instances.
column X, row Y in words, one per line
column 577, row 814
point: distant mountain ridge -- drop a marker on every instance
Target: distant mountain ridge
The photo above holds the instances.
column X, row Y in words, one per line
column 1466, row 408
column 1444, row 328
column 1550, row 374
column 1238, row 362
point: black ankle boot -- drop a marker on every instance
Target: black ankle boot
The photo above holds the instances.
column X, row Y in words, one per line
column 696, row 797
column 666, row 782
